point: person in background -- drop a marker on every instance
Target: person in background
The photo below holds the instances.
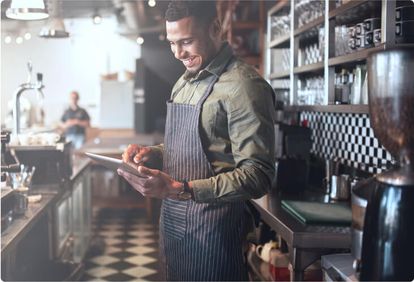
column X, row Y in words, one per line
column 218, row 151
column 75, row 120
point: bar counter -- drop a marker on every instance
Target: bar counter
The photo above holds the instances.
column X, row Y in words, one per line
column 22, row 224
column 306, row 243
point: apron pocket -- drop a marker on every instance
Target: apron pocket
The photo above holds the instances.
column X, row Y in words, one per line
column 174, row 215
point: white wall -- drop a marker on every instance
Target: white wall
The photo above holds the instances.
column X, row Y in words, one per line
column 75, row 63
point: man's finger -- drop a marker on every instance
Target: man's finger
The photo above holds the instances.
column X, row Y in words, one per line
column 147, row 171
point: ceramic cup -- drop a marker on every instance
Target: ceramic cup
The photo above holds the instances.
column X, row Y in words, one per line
column 263, row 251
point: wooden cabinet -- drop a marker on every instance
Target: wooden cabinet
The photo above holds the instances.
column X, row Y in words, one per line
column 308, row 49
column 243, row 28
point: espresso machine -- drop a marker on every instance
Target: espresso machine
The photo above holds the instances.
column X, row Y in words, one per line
column 389, row 220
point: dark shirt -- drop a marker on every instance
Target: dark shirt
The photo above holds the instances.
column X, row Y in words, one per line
column 79, row 114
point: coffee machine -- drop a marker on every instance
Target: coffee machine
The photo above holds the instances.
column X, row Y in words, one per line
column 387, row 240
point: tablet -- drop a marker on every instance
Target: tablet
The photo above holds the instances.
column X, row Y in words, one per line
column 114, row 164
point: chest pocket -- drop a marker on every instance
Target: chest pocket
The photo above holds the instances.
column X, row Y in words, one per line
column 174, row 217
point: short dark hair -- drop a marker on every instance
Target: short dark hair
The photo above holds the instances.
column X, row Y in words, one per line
column 204, row 12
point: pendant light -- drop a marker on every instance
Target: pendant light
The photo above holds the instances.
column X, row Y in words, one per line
column 54, row 28
column 27, row 10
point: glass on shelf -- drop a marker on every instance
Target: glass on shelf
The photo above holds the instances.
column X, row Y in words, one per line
column 280, row 26
column 311, row 91
column 280, row 60
column 309, row 10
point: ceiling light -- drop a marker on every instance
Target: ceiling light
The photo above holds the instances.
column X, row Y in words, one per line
column 55, row 28
column 7, row 39
column 19, row 40
column 97, row 19
column 152, row 3
column 27, row 36
column 27, row 10
column 140, row 40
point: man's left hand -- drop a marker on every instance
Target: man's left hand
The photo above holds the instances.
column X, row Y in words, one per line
column 156, row 184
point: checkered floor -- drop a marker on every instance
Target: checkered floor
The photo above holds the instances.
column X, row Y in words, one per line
column 124, row 248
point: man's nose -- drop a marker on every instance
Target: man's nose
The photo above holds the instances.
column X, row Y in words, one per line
column 179, row 52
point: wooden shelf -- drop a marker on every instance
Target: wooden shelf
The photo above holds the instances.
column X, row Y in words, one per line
column 346, row 7
column 278, row 75
column 317, row 67
column 353, row 109
column 278, row 7
column 280, row 42
column 309, row 26
column 357, row 56
column 245, row 25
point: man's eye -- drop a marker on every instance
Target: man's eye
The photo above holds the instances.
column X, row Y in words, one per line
column 187, row 42
column 172, row 43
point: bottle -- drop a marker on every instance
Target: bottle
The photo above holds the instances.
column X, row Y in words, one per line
column 345, row 87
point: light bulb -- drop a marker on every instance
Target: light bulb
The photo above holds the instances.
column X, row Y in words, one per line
column 140, row 40
column 27, row 36
column 97, row 19
column 7, row 39
column 152, row 3
column 19, row 40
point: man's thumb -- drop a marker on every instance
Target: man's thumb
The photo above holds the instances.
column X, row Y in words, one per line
column 147, row 171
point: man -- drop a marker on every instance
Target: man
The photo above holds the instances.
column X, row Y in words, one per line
column 75, row 121
column 217, row 153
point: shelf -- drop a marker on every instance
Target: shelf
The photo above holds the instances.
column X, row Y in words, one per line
column 278, row 75
column 279, row 6
column 357, row 56
column 309, row 26
column 317, row 67
column 352, row 109
column 346, row 7
column 245, row 25
column 280, row 42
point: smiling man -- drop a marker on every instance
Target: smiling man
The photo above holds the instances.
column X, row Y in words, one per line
column 218, row 151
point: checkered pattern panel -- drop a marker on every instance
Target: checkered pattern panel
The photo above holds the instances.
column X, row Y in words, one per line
column 127, row 248
column 348, row 137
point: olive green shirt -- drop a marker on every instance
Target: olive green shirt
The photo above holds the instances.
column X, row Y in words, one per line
column 236, row 129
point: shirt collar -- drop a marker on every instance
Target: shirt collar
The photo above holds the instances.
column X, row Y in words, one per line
column 215, row 65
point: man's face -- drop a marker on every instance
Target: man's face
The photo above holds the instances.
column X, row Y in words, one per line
column 73, row 99
column 192, row 44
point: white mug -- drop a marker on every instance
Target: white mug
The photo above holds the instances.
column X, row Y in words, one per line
column 263, row 251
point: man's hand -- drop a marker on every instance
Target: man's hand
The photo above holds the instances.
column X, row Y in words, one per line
column 156, row 184
column 136, row 154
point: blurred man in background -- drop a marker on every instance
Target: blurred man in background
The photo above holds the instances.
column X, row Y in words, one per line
column 75, row 120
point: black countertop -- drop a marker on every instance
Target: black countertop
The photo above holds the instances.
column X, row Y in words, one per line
column 21, row 225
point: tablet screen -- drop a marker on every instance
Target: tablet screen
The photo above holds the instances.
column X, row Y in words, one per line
column 114, row 164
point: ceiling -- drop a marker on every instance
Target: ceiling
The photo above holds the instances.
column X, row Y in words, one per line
column 136, row 14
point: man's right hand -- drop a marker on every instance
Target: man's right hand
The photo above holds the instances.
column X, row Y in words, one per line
column 136, row 154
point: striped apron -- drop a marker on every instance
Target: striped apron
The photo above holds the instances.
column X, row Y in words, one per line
column 198, row 241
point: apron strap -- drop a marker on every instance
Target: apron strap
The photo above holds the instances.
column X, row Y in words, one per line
column 213, row 81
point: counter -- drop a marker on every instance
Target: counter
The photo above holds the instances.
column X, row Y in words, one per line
column 306, row 243
column 22, row 224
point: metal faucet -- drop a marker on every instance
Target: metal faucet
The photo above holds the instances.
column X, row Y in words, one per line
column 29, row 85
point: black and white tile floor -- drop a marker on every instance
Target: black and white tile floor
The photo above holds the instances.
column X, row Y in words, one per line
column 125, row 247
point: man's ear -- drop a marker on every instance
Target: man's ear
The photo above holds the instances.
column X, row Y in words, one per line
column 215, row 29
